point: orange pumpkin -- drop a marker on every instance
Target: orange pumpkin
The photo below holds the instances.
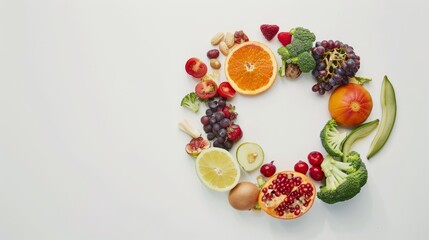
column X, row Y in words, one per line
column 350, row 104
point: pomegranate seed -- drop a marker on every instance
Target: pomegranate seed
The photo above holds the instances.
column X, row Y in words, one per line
column 264, row 190
column 281, row 213
column 270, row 186
column 297, row 212
column 297, row 207
column 277, row 193
column 264, row 199
column 306, row 204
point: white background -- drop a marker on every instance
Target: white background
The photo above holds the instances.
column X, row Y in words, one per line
column 89, row 106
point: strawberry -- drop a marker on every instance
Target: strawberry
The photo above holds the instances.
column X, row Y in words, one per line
column 269, row 31
column 285, row 38
column 229, row 111
column 234, row 132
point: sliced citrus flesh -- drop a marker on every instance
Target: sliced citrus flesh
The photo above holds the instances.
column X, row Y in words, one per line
column 217, row 169
column 251, row 68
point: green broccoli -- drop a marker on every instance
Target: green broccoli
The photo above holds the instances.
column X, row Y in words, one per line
column 361, row 174
column 303, row 34
column 332, row 139
column 294, row 48
column 344, row 180
column 305, row 61
column 191, row 102
column 302, row 42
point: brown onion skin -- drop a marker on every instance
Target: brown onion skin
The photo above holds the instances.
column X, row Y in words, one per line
column 244, row 196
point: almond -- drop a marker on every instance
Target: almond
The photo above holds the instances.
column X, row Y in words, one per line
column 229, row 39
column 217, row 38
column 223, row 48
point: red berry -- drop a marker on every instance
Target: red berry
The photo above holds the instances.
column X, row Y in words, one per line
column 268, row 169
column 234, row 132
column 269, row 31
column 301, row 167
column 316, row 173
column 285, row 38
column 315, row 158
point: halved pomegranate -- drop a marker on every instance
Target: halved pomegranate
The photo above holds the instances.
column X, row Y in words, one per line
column 196, row 146
column 287, row 195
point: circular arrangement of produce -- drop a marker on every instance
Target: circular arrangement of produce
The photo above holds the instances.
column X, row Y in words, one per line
column 250, row 68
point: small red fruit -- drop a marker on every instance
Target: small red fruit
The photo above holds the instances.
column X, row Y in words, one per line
column 229, row 111
column 316, row 173
column 301, row 167
column 269, row 31
column 268, row 169
column 234, row 133
column 225, row 90
column 315, row 158
column 196, row 68
column 206, row 89
column 285, row 38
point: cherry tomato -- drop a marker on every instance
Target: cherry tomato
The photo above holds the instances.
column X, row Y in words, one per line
column 196, row 68
column 225, row 90
column 301, row 167
column 206, row 89
column 315, row 158
column 316, row 173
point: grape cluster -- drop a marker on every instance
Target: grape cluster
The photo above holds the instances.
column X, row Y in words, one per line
column 218, row 123
column 336, row 63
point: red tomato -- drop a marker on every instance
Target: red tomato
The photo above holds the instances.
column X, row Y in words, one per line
column 206, row 89
column 225, row 90
column 196, row 68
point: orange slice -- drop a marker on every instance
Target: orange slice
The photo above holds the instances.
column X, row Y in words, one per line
column 251, row 68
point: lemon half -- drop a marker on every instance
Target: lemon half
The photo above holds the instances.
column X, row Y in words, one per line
column 217, row 169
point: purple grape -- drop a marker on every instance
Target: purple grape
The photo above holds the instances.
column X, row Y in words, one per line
column 228, row 144
column 216, row 127
column 315, row 87
column 222, row 132
column 213, row 104
column 219, row 116
column 207, row 128
column 210, row 136
column 205, row 120
column 209, row 112
column 225, row 122
column 213, row 120
column 339, row 71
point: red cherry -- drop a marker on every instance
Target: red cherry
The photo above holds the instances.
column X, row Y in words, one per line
column 301, row 167
column 315, row 158
column 268, row 169
column 316, row 173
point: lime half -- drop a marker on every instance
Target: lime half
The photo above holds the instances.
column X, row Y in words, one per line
column 217, row 169
column 250, row 156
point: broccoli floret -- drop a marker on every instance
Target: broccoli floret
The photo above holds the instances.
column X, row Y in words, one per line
column 332, row 139
column 344, row 180
column 303, row 34
column 293, row 49
column 361, row 174
column 191, row 102
column 305, row 61
column 302, row 42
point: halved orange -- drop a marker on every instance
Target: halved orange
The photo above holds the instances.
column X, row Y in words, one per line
column 251, row 68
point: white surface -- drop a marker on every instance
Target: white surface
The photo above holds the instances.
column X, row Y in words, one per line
column 89, row 105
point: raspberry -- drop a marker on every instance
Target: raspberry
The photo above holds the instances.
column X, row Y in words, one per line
column 269, row 31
